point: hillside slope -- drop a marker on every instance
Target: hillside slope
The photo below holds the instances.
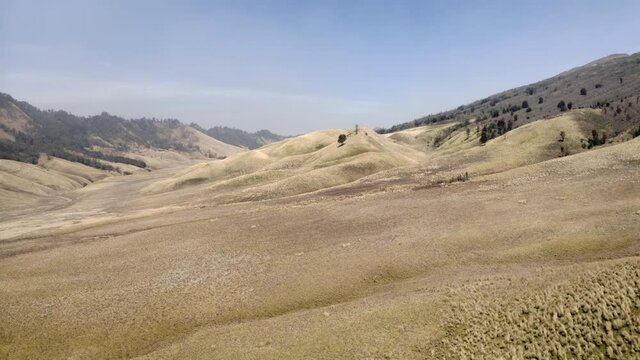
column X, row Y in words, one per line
column 459, row 150
column 298, row 165
column 98, row 140
column 434, row 153
column 21, row 184
column 611, row 84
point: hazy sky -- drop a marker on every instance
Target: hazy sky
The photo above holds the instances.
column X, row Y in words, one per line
column 295, row 66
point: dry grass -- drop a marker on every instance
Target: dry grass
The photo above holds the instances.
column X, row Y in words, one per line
column 43, row 180
column 293, row 166
column 364, row 270
column 14, row 118
column 5, row 136
column 189, row 136
column 597, row 316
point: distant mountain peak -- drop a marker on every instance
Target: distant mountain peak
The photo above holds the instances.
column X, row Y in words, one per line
column 243, row 138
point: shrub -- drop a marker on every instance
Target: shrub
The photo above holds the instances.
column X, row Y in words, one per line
column 597, row 313
column 562, row 106
column 342, row 138
column 583, row 92
column 484, row 136
column 540, row 100
column 596, row 140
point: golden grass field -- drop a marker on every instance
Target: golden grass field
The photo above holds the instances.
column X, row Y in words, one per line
column 306, row 250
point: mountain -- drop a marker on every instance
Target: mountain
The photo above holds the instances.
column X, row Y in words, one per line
column 611, row 84
column 243, row 138
column 460, row 238
column 101, row 141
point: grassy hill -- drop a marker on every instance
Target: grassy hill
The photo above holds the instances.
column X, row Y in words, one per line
column 611, row 84
column 540, row 260
column 451, row 147
column 316, row 161
column 297, row 165
column 96, row 141
column 375, row 248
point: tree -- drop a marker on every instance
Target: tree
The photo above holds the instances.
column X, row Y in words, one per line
column 562, row 106
column 484, row 137
column 540, row 100
column 569, row 105
column 594, row 141
column 357, row 128
column 525, row 104
column 342, row 138
column 583, row 92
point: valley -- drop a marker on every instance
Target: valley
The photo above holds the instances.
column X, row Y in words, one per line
column 307, row 248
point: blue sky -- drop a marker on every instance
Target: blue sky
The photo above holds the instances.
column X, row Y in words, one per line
column 295, row 66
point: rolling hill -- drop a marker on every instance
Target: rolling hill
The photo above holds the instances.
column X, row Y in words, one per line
column 436, row 152
column 297, row 165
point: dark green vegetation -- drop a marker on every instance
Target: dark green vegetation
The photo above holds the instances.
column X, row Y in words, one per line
column 240, row 137
column 611, row 84
column 494, row 129
column 74, row 138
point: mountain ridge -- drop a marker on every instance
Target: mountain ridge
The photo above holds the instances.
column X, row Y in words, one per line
column 603, row 83
column 26, row 132
column 238, row 137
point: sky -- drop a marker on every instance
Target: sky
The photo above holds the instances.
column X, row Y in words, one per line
column 295, row 66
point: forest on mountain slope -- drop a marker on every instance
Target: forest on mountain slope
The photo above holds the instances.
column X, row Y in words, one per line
column 611, row 84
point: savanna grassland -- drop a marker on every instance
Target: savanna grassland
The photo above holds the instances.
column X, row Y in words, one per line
column 386, row 247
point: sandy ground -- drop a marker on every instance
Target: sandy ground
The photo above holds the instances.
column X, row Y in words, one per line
column 370, row 269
